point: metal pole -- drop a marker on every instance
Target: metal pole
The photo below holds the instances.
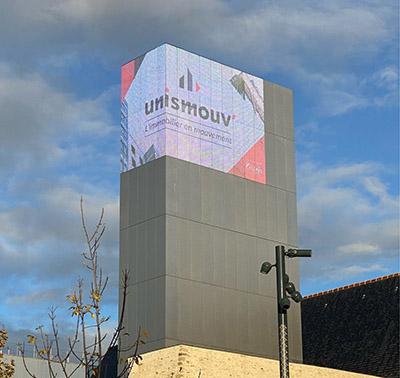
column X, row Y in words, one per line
column 282, row 313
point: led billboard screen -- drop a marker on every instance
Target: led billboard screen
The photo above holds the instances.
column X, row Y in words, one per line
column 179, row 104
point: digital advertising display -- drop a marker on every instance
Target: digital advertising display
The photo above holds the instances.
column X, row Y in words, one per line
column 179, row 104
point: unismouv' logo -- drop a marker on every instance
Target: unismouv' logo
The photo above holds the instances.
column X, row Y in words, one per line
column 193, row 109
column 189, row 82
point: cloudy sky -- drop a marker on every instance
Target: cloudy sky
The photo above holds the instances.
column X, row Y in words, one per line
column 59, row 128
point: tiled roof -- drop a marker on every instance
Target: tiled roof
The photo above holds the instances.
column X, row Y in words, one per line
column 352, row 285
column 355, row 327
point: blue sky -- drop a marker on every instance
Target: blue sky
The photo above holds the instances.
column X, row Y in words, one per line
column 59, row 128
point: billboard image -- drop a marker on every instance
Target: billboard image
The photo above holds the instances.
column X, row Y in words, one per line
column 182, row 105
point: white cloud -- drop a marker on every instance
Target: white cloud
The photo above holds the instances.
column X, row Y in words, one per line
column 264, row 34
column 37, row 119
column 358, row 248
column 386, row 78
column 340, row 92
column 355, row 271
column 315, row 43
column 336, row 102
column 35, row 297
column 311, row 175
column 54, row 214
column 44, row 131
column 348, row 216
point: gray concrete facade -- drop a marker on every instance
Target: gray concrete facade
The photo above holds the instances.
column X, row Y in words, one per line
column 194, row 238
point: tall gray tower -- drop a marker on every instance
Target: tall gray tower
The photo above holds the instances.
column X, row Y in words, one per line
column 207, row 191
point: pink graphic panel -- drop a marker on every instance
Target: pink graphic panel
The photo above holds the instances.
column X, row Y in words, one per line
column 127, row 76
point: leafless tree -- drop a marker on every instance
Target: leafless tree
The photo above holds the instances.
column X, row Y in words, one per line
column 87, row 348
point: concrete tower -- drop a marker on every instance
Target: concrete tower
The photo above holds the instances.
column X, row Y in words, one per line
column 207, row 191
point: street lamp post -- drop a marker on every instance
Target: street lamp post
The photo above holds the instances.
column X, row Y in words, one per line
column 283, row 305
column 284, row 287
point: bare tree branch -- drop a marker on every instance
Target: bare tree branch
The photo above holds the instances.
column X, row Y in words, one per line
column 22, row 350
column 88, row 312
column 52, row 316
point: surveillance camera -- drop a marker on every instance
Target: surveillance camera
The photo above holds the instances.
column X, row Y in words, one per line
column 297, row 297
column 266, row 267
column 284, row 303
column 290, row 288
